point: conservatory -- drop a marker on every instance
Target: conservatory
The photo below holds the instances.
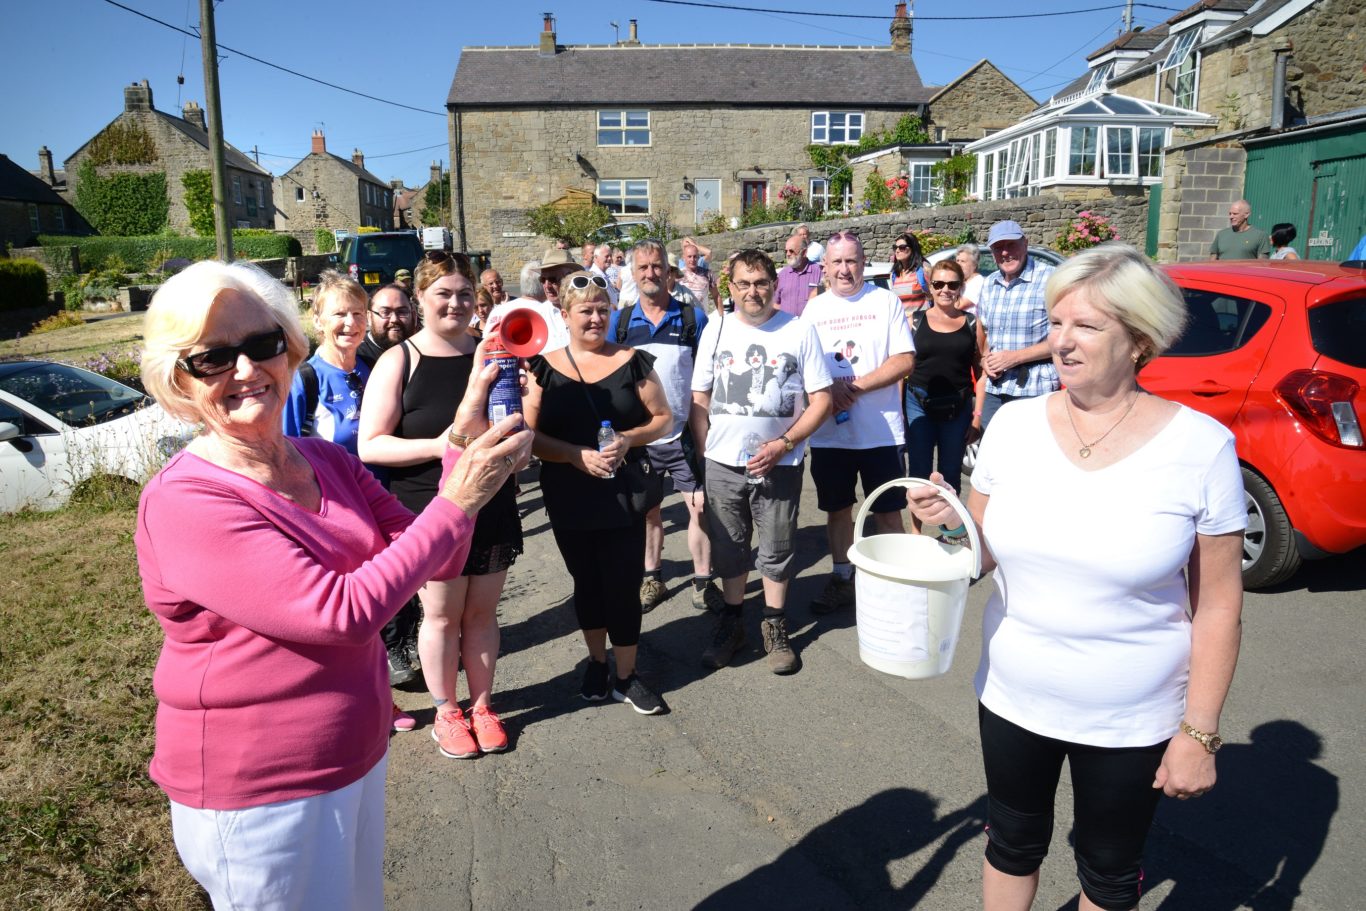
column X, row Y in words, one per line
column 1088, row 139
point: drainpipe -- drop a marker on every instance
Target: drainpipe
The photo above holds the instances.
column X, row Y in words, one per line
column 1278, row 88
column 458, row 167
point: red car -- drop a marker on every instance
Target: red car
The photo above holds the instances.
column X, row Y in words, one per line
column 1276, row 351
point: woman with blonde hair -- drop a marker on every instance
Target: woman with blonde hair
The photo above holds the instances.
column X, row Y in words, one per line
column 325, row 395
column 404, row 427
column 271, row 564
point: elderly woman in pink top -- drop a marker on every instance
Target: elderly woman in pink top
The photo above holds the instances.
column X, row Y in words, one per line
column 272, row 564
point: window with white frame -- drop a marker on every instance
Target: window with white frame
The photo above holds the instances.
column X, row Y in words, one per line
column 261, row 194
column 1183, row 89
column 921, row 189
column 237, row 190
column 1002, row 162
column 60, row 216
column 625, row 197
column 1081, row 159
column 1119, row 152
column 1049, row 168
column 836, row 127
column 1099, row 76
column 988, row 175
column 1150, row 143
column 298, row 194
column 1180, row 48
column 34, row 224
column 623, row 128
column 818, row 191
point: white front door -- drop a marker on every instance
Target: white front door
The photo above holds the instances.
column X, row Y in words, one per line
column 706, row 199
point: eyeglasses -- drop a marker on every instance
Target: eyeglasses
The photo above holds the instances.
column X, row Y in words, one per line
column 901, row 246
column 940, row 286
column 391, row 315
column 579, row 282
column 218, row 360
column 761, row 286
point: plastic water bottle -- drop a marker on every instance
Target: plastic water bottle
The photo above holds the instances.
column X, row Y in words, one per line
column 751, row 446
column 606, row 437
column 841, row 417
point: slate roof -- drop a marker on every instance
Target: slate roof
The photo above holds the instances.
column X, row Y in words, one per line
column 18, row 184
column 231, row 156
column 1134, row 40
column 351, row 166
column 769, row 75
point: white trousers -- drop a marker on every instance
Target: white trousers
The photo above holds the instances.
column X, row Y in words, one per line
column 324, row 852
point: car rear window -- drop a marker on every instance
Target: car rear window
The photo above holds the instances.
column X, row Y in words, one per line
column 1338, row 330
column 390, row 252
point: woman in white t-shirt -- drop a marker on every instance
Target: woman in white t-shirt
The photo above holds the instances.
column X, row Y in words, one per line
column 1114, row 521
column 966, row 256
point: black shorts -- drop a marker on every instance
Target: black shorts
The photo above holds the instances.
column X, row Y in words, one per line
column 835, row 470
column 672, row 458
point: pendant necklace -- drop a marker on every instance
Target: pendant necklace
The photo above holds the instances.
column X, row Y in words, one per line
column 1085, row 450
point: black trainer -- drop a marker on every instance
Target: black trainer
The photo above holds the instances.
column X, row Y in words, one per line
column 401, row 670
column 726, row 639
column 596, row 683
column 638, row 696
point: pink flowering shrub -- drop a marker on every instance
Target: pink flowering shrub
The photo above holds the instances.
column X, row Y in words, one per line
column 1087, row 230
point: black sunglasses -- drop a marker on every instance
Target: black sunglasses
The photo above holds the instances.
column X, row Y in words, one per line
column 940, row 286
column 218, row 360
column 579, row 282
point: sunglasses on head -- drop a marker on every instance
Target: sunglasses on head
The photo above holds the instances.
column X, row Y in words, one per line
column 579, row 282
column 259, row 348
column 941, row 285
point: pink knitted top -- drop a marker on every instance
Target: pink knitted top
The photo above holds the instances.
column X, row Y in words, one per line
column 272, row 683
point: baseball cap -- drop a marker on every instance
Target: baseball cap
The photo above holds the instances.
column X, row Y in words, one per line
column 1005, row 230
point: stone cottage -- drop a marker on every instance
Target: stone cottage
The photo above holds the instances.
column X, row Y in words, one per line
column 327, row 191
column 29, row 206
column 145, row 140
column 693, row 131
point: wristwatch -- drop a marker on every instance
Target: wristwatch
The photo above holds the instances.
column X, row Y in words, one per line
column 788, row 445
column 1211, row 742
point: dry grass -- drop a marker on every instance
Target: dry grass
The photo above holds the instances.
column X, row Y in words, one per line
column 78, row 344
column 81, row 825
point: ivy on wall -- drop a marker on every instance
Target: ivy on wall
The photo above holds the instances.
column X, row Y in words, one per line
column 832, row 159
column 122, row 143
column 199, row 201
column 124, row 204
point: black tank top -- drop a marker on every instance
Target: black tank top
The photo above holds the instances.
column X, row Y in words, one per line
column 943, row 360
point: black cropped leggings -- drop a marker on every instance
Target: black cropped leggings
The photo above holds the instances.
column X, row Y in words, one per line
column 1113, row 807
column 607, row 566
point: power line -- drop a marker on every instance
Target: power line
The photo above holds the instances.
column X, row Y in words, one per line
column 794, row 12
column 276, row 66
column 367, row 157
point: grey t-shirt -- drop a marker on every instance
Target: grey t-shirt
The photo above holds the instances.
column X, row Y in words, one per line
column 1253, row 243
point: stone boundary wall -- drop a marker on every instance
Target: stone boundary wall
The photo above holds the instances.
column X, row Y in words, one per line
column 1201, row 183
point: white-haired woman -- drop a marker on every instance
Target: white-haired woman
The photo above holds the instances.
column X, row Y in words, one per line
column 1114, row 521
column 967, row 256
column 271, row 564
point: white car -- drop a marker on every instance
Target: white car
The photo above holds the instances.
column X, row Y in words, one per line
column 62, row 427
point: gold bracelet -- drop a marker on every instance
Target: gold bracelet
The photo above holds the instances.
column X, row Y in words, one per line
column 459, row 440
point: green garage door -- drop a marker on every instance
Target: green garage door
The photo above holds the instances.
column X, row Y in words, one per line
column 1317, row 183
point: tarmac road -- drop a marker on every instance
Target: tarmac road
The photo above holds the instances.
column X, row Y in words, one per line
column 841, row 787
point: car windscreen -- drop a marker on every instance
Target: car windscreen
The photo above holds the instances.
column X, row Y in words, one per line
column 1338, row 330
column 390, row 253
column 76, row 397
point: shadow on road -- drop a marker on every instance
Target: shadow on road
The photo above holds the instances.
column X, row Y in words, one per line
column 850, row 855
column 1339, row 573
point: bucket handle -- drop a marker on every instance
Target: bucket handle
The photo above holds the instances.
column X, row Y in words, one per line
column 974, row 539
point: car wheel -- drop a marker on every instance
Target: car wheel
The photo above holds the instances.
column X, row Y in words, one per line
column 1269, row 552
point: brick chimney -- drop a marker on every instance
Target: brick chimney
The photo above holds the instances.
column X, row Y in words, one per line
column 900, row 30
column 396, row 185
column 357, row 158
column 632, row 36
column 137, row 97
column 548, row 45
column 319, row 143
column 435, row 176
column 45, row 171
column 194, row 114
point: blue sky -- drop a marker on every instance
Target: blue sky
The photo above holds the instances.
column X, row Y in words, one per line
column 64, row 76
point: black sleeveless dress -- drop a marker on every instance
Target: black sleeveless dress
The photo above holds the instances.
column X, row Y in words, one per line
column 430, row 396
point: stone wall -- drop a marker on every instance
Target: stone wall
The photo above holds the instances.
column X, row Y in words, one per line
column 982, row 101
column 339, row 201
column 1199, row 184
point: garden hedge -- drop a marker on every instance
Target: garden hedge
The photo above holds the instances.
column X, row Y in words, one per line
column 23, row 284
column 137, row 252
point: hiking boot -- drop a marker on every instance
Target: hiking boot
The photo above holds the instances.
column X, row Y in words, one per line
column 652, row 592
column 452, row 735
column 596, row 683
column 781, row 658
column 638, row 696
column 727, row 638
column 838, row 595
column 401, row 669
column 708, row 598
column 403, row 722
column 488, row 729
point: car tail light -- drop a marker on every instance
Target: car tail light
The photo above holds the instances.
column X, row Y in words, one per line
column 1324, row 402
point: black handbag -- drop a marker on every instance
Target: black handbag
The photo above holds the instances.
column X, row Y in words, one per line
column 639, row 487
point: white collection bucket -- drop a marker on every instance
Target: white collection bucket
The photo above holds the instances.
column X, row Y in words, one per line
column 911, row 591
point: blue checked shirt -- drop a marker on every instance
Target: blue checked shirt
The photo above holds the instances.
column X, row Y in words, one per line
column 1014, row 317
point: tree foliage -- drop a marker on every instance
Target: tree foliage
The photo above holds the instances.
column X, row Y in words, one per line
column 571, row 224
column 436, row 202
column 955, row 176
column 199, row 201
column 123, row 203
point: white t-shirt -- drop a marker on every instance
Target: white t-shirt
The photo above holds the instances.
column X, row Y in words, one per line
column 972, row 290
column 1087, row 637
column 858, row 334
column 559, row 332
column 756, row 376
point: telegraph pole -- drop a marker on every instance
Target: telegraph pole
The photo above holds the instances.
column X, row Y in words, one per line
column 208, row 37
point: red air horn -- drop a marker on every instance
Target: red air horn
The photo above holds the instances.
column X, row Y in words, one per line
column 520, row 333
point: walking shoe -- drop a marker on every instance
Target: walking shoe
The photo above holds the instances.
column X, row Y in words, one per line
column 452, row 735
column 596, row 685
column 652, row 592
column 403, row 722
column 401, row 669
column 708, row 598
column 638, row 696
column 727, row 638
column 838, row 595
column 781, row 658
column 488, row 729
